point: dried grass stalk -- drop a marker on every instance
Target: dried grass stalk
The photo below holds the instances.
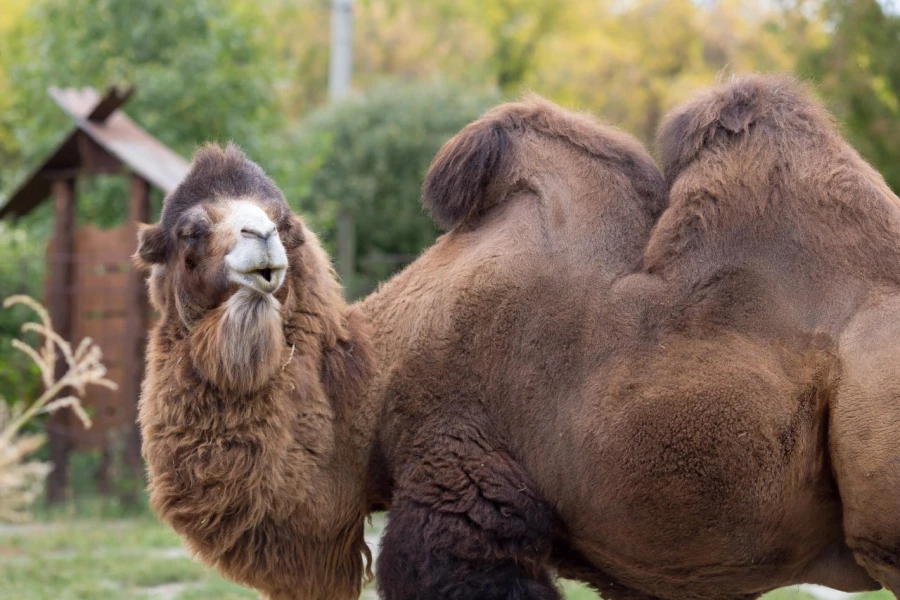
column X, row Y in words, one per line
column 22, row 480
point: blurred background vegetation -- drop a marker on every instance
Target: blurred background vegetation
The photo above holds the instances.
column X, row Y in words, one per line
column 257, row 73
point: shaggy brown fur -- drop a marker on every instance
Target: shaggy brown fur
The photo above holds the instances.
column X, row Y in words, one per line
column 245, row 411
column 802, row 239
column 552, row 387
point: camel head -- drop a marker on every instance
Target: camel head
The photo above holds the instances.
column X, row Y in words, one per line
column 226, row 259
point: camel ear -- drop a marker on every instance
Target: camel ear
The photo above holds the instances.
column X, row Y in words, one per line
column 697, row 124
column 294, row 234
column 457, row 181
column 737, row 116
column 153, row 246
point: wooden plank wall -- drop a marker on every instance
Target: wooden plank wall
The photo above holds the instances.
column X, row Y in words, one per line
column 100, row 305
column 99, row 300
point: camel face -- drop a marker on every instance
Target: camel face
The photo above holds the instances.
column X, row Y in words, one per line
column 218, row 261
column 225, row 233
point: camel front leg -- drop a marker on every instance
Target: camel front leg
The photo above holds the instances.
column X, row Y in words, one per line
column 864, row 439
column 466, row 522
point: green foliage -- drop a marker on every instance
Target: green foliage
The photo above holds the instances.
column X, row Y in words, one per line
column 118, row 496
column 372, row 152
column 858, row 74
column 21, row 272
column 633, row 62
column 202, row 69
column 516, row 29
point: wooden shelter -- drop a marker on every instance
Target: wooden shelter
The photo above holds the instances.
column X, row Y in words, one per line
column 92, row 288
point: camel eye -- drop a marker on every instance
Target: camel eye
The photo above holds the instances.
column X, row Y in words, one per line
column 193, row 233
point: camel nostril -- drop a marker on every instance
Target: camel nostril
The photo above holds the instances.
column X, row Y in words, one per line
column 257, row 234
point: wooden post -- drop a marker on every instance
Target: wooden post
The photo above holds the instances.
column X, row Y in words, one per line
column 60, row 300
column 136, row 323
column 346, row 251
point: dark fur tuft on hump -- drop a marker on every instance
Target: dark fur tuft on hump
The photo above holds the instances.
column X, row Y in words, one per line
column 474, row 170
column 218, row 172
column 727, row 112
column 459, row 175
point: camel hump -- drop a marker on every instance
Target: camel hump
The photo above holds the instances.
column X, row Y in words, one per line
column 476, row 169
column 781, row 102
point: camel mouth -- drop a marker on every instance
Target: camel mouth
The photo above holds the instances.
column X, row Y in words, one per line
column 265, row 280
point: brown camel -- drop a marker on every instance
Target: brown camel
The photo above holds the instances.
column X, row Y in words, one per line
column 549, row 387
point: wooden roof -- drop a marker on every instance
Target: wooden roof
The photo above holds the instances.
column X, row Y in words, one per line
column 104, row 140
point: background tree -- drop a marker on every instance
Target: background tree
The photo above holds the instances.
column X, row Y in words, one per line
column 516, row 29
column 203, row 70
column 10, row 13
column 857, row 71
column 369, row 155
column 21, row 272
column 632, row 62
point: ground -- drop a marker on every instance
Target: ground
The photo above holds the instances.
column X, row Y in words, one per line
column 139, row 559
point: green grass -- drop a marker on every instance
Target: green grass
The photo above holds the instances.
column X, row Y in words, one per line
column 575, row 591
column 794, row 594
column 102, row 559
column 97, row 559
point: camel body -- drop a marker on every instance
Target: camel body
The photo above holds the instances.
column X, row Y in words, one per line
column 666, row 387
column 710, row 480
